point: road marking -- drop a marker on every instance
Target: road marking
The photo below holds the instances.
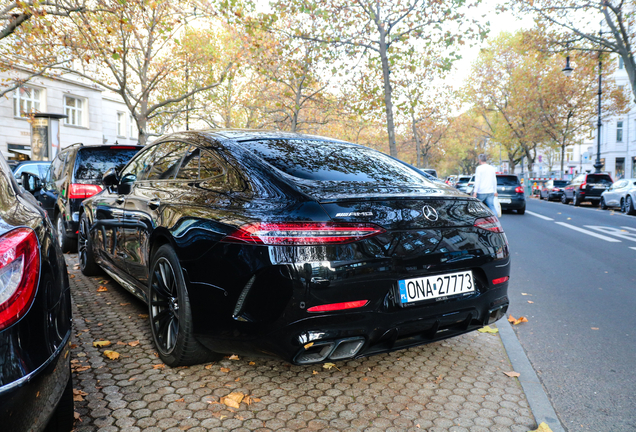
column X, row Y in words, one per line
column 632, row 248
column 629, row 228
column 590, row 233
column 538, row 215
column 616, row 232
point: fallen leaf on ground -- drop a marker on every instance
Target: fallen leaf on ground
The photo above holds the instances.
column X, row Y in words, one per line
column 73, row 346
column 512, row 374
column 102, row 289
column 309, row 345
column 159, row 366
column 226, row 370
column 209, row 366
column 104, row 281
column 543, row 427
column 124, row 304
column 525, row 294
column 234, row 357
column 143, row 315
column 133, row 343
column 233, row 400
column 516, row 321
column 76, row 415
column 121, row 343
column 252, row 363
column 439, row 379
column 488, row 329
column 315, row 373
column 594, row 328
column 113, row 355
column 71, row 276
column 329, row 366
column 180, row 400
column 101, row 344
column 531, row 302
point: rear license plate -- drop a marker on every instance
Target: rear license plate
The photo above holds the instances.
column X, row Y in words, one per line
column 504, row 200
column 431, row 287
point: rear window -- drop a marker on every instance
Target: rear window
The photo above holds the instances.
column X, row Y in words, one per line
column 507, row 181
column 560, row 183
column 599, row 178
column 91, row 164
column 329, row 161
column 463, row 179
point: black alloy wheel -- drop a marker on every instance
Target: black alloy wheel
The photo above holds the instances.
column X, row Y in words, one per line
column 629, row 206
column 564, row 199
column 169, row 313
column 603, row 205
column 541, row 196
column 86, row 256
column 63, row 240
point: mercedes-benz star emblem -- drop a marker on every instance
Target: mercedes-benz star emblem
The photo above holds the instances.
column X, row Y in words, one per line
column 430, row 213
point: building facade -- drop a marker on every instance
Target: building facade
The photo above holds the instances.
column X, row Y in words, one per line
column 93, row 115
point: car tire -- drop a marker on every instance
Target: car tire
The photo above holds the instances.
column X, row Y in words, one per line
column 603, row 205
column 629, row 206
column 65, row 242
column 64, row 414
column 577, row 200
column 170, row 315
column 522, row 210
column 85, row 253
column 541, row 196
column 564, row 199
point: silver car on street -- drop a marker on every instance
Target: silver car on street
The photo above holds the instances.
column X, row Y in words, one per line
column 622, row 194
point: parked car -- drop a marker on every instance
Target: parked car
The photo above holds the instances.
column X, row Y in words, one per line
column 462, row 183
column 290, row 245
column 621, row 194
column 39, row 168
column 35, row 317
column 553, row 190
column 430, row 171
column 450, row 180
column 74, row 175
column 586, row 187
column 510, row 193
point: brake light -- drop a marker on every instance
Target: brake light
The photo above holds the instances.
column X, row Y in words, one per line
column 519, row 189
column 303, row 233
column 500, row 280
column 19, row 274
column 583, row 185
column 83, row 191
column 489, row 224
column 556, row 190
column 338, row 306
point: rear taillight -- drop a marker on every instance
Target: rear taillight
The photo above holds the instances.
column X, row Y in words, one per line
column 500, row 280
column 519, row 189
column 338, row 306
column 83, row 191
column 302, row 233
column 583, row 185
column 19, row 274
column 489, row 224
column 556, row 190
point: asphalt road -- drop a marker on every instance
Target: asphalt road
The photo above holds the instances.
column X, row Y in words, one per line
column 574, row 277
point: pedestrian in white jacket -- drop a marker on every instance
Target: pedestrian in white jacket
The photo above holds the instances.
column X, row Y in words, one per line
column 485, row 188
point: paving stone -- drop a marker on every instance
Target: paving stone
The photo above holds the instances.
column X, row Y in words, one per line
column 455, row 385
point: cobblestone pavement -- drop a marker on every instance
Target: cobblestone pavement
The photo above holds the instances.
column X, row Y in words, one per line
column 455, row 385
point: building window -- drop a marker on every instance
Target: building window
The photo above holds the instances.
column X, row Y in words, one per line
column 569, row 155
column 621, row 63
column 131, row 126
column 26, row 100
column 121, row 124
column 619, row 131
column 620, row 168
column 74, row 109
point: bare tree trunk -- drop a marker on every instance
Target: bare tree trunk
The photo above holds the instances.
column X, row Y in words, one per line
column 418, row 146
column 388, row 102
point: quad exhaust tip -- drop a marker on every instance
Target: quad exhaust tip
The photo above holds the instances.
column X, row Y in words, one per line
column 330, row 350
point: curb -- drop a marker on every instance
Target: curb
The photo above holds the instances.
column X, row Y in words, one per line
column 538, row 400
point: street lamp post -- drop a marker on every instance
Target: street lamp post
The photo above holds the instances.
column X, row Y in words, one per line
column 598, row 164
column 567, row 71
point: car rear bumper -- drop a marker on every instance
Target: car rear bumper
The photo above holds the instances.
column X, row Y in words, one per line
column 517, row 201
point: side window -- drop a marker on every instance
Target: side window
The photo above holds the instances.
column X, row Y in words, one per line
column 140, row 164
column 190, row 166
column 209, row 166
column 56, row 167
column 166, row 160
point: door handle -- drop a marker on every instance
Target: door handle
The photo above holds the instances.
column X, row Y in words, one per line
column 119, row 199
column 154, row 203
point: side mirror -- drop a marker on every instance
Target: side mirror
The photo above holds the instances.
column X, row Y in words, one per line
column 30, row 182
column 110, row 178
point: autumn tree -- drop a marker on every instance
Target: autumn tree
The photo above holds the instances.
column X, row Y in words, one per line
column 384, row 30
column 127, row 48
column 462, row 143
column 605, row 25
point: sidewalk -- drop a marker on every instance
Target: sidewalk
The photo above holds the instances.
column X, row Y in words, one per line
column 455, row 385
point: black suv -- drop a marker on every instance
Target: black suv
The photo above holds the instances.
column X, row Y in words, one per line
column 510, row 193
column 586, row 187
column 76, row 174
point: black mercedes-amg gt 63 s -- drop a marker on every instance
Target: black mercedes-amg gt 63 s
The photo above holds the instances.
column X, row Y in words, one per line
column 301, row 247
